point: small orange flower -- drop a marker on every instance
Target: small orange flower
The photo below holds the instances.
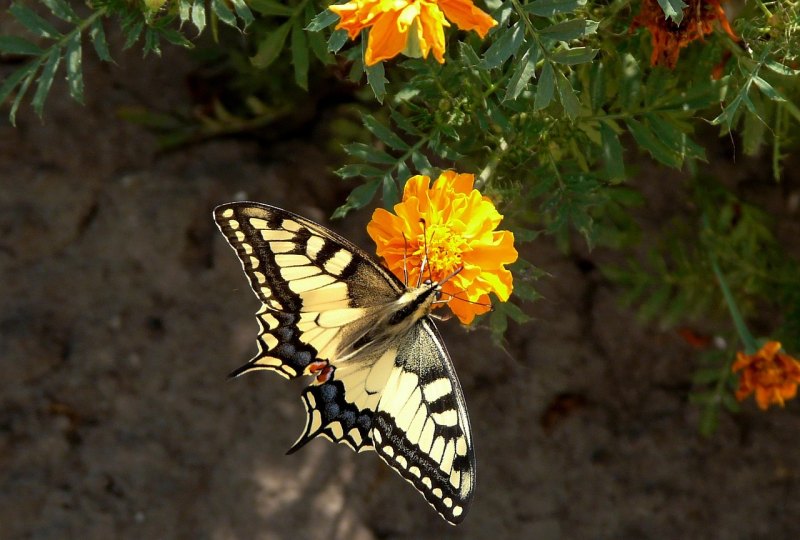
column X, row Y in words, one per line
column 771, row 374
column 412, row 27
column 457, row 224
column 669, row 38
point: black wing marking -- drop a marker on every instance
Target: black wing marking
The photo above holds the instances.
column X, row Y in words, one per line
column 330, row 415
column 421, row 428
column 319, row 290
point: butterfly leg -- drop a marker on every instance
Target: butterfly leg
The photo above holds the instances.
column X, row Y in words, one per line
column 322, row 370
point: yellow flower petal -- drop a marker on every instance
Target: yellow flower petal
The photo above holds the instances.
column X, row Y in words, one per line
column 386, row 40
column 412, row 26
column 452, row 226
column 467, row 16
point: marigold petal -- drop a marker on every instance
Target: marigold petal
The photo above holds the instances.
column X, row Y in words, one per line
column 494, row 255
column 351, row 18
column 431, row 31
column 386, row 40
column 467, row 16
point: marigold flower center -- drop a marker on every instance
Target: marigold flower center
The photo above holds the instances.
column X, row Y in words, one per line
column 445, row 249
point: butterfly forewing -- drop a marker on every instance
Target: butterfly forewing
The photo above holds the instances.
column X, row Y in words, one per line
column 325, row 300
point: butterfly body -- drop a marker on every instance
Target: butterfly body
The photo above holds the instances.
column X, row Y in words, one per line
column 383, row 378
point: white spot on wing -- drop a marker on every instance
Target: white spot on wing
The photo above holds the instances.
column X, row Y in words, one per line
column 426, row 438
column 336, row 264
column 436, row 389
column 314, row 246
column 309, row 283
column 281, row 247
column 291, row 225
column 228, row 212
column 285, row 261
column 446, row 418
column 259, row 223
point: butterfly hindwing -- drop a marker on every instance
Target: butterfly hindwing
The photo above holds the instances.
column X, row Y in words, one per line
column 330, row 415
column 421, row 428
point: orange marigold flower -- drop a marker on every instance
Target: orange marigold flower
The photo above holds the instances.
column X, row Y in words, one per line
column 669, row 38
column 771, row 374
column 457, row 224
column 412, row 27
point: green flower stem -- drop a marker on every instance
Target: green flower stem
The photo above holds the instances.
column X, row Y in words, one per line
column 749, row 342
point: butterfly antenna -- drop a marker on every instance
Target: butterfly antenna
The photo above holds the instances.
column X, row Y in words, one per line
column 425, row 257
column 456, row 297
column 405, row 266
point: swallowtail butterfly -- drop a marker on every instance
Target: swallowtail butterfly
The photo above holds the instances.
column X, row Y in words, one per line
column 383, row 378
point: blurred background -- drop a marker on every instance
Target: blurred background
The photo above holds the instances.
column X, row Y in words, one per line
column 122, row 309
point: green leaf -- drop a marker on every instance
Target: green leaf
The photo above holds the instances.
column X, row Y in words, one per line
column 597, row 90
column 612, row 154
column 271, row 7
column 323, row 20
column 707, row 376
column 468, row 55
column 568, row 30
column 73, row 58
column 767, row 89
column 523, row 71
column 199, row 14
column 375, row 78
column 567, row 96
column 674, row 137
column 224, row 12
column 498, row 324
column 421, row 163
column 62, row 10
column 709, row 420
column 544, row 90
column 353, row 170
column 780, row 69
column 27, row 79
column 645, row 138
column 548, row 8
column 18, row 45
column 300, row 55
column 358, row 198
column 271, row 46
column 383, row 133
column 513, row 311
column 391, row 194
column 99, row 42
column 571, row 57
column 316, row 42
column 15, row 78
column 184, row 10
column 403, row 173
column 33, row 22
column 243, row 12
column 45, row 81
column 405, row 124
column 369, row 153
column 504, row 47
column 673, row 9
column 337, row 40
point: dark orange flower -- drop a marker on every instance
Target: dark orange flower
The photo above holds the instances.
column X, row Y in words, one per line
column 412, row 27
column 457, row 226
column 669, row 38
column 771, row 374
